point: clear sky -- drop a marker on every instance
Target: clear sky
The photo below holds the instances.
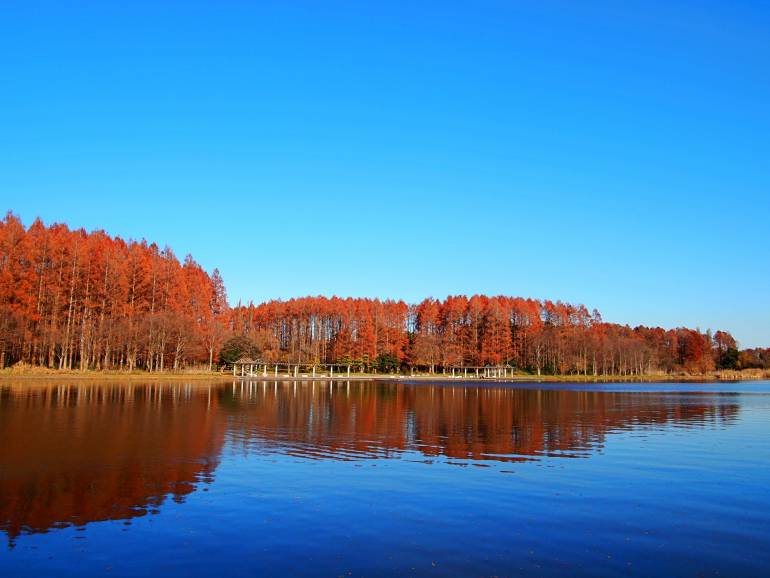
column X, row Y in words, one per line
column 615, row 154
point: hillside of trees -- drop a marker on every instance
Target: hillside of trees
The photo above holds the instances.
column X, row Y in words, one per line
column 76, row 300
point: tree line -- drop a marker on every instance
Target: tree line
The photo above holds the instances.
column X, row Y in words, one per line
column 76, row 300
column 542, row 337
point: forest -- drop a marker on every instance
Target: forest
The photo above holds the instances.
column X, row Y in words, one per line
column 70, row 299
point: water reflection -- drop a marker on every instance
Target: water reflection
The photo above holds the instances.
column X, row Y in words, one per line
column 77, row 453
column 347, row 420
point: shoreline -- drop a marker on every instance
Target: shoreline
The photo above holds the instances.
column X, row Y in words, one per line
column 53, row 374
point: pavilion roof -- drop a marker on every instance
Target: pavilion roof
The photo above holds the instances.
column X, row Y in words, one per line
column 247, row 361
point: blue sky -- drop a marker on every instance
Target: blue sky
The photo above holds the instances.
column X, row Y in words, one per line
column 613, row 154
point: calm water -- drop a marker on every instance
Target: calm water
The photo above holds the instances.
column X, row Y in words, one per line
column 376, row 479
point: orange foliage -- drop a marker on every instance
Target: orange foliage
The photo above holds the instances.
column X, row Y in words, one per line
column 544, row 337
column 71, row 299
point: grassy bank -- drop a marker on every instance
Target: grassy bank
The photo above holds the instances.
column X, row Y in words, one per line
column 43, row 373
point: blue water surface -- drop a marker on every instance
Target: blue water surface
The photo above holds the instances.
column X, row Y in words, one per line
column 384, row 478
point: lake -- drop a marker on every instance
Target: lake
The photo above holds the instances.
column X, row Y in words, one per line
column 356, row 478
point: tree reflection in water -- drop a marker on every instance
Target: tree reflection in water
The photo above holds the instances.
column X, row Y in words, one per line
column 75, row 453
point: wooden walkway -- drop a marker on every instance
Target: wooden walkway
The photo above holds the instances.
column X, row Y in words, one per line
column 255, row 368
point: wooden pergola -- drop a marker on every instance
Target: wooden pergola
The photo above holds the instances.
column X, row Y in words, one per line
column 247, row 367
column 474, row 371
column 485, row 371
